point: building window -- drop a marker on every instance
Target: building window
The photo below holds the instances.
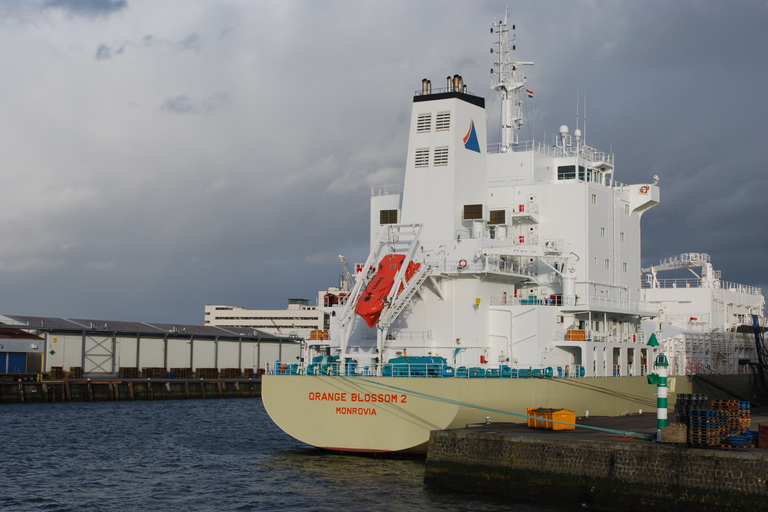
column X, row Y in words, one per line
column 422, row 157
column 441, row 156
column 594, row 198
column 602, row 232
column 388, row 217
column 424, row 123
column 473, row 211
column 626, row 208
column 607, row 263
column 622, row 236
column 443, row 121
column 498, row 217
column 624, row 266
column 566, row 172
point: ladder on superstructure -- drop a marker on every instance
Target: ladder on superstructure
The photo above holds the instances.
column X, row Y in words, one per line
column 393, row 238
column 403, row 300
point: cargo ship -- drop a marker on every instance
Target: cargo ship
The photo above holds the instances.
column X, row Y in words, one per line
column 516, row 282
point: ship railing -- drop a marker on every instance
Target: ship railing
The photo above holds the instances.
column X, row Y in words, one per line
column 426, row 370
column 625, row 304
column 526, row 145
column 699, row 283
column 387, row 190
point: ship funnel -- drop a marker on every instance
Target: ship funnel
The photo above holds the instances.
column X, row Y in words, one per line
column 426, row 86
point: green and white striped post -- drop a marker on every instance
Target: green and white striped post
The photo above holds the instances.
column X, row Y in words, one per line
column 660, row 380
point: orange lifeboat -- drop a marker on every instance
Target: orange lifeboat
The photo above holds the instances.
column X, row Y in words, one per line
column 372, row 301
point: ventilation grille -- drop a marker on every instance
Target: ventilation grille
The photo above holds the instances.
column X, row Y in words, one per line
column 441, row 156
column 443, row 121
column 424, row 123
column 422, row 157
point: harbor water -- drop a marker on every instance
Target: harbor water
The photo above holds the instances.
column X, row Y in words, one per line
column 197, row 455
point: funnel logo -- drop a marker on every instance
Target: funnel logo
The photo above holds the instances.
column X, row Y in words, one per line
column 470, row 139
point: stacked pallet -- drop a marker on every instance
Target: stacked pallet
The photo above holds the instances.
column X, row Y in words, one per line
column 75, row 372
column 231, row 373
column 57, row 372
column 248, row 373
column 182, row 373
column 705, row 427
column 739, row 415
column 207, row 373
column 153, row 373
column 128, row 372
column 689, row 402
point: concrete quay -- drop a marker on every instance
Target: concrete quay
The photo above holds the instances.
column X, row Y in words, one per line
column 104, row 389
column 600, row 470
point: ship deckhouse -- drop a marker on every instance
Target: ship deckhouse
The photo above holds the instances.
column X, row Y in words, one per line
column 531, row 250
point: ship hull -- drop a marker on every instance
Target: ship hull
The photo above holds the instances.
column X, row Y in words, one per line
column 375, row 414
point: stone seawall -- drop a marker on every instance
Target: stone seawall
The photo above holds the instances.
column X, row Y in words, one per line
column 87, row 390
column 602, row 475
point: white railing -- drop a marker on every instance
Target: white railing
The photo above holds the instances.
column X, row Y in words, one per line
column 387, row 190
column 426, row 370
column 694, row 282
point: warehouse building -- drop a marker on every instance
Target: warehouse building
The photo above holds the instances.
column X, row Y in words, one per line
column 97, row 347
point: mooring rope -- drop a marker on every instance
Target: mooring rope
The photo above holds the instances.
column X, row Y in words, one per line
column 459, row 403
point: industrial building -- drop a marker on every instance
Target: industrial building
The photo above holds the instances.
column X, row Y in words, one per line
column 298, row 320
column 33, row 344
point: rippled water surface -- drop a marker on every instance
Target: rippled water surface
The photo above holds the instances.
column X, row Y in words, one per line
column 196, row 455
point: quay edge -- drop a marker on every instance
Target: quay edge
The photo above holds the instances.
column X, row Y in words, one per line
column 102, row 390
column 598, row 474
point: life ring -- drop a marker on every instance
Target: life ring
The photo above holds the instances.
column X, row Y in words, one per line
column 566, row 369
column 282, row 367
column 462, row 263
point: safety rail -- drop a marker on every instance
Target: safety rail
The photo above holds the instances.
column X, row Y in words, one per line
column 424, row 370
column 387, row 190
column 694, row 282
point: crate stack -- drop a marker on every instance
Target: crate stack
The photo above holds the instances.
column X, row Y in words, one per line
column 207, row 373
column 706, row 427
column 128, row 372
column 182, row 373
column 689, row 402
column 231, row 373
column 739, row 415
column 153, row 373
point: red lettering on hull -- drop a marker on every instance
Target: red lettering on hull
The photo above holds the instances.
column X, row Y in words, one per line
column 360, row 411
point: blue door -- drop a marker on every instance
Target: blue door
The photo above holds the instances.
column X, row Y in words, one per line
column 17, row 362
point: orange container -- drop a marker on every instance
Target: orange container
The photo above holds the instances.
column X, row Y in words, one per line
column 563, row 416
column 575, row 335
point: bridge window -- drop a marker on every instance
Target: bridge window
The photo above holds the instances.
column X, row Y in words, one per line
column 566, row 172
column 473, row 211
column 388, row 217
column 498, row 217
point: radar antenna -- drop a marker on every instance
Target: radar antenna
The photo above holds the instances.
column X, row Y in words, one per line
column 508, row 82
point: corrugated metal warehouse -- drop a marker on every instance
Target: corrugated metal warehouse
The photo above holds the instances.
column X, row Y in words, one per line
column 33, row 344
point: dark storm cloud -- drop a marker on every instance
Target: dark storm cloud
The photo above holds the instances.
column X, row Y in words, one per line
column 155, row 195
column 104, row 52
column 87, row 7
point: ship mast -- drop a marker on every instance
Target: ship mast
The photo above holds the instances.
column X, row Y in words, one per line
column 508, row 82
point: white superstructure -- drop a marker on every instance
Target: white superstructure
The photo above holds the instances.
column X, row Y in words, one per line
column 530, row 251
column 705, row 322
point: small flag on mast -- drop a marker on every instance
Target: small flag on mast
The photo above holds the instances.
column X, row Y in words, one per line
column 530, row 93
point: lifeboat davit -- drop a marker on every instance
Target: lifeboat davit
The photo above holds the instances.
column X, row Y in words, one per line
column 372, row 301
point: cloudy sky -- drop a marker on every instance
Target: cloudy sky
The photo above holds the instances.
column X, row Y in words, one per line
column 157, row 156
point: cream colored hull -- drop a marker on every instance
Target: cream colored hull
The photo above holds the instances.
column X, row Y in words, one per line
column 374, row 414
